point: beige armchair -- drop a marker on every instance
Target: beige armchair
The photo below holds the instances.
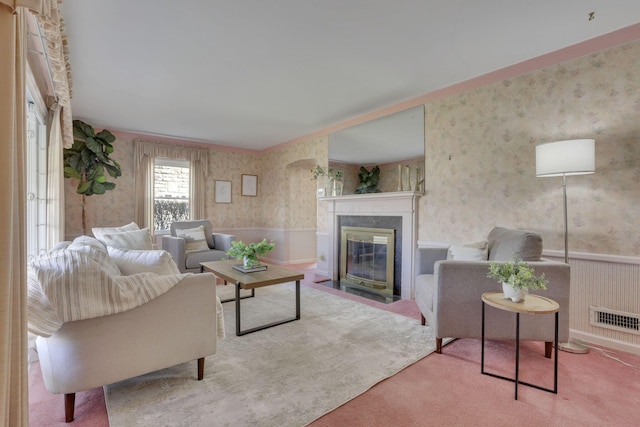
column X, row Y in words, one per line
column 448, row 291
column 177, row 326
column 189, row 262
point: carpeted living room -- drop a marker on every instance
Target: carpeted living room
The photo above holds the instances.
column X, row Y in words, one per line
column 389, row 156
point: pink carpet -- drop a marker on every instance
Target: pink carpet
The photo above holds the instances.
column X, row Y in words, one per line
column 446, row 389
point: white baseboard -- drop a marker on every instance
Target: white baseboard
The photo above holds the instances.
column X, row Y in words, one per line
column 605, row 342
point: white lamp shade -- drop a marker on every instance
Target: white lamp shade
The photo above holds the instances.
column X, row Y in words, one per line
column 571, row 157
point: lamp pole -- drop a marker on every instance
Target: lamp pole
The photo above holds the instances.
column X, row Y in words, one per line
column 566, row 224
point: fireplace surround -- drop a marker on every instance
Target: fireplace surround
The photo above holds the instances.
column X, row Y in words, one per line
column 402, row 205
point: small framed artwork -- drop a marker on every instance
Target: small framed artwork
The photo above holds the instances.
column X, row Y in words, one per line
column 222, row 192
column 249, row 185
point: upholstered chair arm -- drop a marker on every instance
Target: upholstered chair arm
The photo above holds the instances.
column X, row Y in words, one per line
column 222, row 241
column 427, row 257
column 175, row 246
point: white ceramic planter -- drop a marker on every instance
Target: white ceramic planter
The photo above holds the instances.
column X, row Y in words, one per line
column 515, row 295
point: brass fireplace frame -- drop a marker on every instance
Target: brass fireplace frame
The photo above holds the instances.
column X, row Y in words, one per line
column 373, row 236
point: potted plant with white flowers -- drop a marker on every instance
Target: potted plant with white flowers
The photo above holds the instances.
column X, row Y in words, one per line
column 517, row 277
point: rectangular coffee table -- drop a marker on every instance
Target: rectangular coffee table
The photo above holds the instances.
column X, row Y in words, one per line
column 273, row 275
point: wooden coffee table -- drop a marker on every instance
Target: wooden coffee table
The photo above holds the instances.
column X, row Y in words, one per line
column 273, row 275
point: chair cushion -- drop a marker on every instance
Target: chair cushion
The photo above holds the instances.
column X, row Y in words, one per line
column 193, row 259
column 505, row 243
column 205, row 223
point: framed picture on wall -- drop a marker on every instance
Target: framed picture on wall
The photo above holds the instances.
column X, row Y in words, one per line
column 249, row 185
column 222, row 192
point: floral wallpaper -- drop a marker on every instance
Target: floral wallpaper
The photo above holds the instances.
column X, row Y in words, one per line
column 480, row 156
column 479, row 165
column 291, row 203
column 285, row 200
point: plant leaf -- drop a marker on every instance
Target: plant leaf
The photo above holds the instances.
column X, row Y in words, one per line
column 106, row 135
column 83, row 187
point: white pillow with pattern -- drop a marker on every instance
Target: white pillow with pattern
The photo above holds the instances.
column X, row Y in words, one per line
column 195, row 241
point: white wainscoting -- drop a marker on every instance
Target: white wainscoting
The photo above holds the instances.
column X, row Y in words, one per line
column 606, row 281
column 322, row 267
column 291, row 246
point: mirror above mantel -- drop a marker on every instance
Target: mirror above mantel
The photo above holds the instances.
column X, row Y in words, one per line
column 387, row 142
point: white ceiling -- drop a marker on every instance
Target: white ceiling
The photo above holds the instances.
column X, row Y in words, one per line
column 257, row 73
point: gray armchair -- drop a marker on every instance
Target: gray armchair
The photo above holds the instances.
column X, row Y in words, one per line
column 448, row 292
column 189, row 262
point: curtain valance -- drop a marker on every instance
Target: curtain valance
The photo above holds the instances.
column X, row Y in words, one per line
column 154, row 149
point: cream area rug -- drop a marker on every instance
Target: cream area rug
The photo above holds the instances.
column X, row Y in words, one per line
column 288, row 375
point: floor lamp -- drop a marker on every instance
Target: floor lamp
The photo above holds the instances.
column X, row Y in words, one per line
column 562, row 158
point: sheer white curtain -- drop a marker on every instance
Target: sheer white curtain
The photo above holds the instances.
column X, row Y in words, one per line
column 143, row 162
column 55, row 180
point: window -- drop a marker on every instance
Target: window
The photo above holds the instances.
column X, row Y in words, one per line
column 36, row 183
column 171, row 192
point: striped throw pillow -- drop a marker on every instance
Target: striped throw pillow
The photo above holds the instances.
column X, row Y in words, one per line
column 195, row 240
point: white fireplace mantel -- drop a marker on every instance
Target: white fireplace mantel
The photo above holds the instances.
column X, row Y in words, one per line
column 402, row 204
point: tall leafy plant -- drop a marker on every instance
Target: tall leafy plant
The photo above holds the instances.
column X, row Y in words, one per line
column 88, row 160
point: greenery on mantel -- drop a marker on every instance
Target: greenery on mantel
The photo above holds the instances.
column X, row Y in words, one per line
column 330, row 173
column 368, row 180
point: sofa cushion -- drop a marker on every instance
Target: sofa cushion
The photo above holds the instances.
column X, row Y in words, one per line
column 195, row 240
column 98, row 232
column 505, row 243
column 137, row 239
column 140, row 261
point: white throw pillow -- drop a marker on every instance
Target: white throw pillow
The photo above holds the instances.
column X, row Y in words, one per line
column 98, row 232
column 140, row 261
column 474, row 251
column 195, row 240
column 138, row 239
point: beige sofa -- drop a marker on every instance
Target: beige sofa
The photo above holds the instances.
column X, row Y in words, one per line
column 173, row 328
column 161, row 318
column 448, row 291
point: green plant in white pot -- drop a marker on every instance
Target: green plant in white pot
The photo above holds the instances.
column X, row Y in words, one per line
column 249, row 253
column 517, row 277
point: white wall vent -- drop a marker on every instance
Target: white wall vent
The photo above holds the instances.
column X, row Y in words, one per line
column 614, row 319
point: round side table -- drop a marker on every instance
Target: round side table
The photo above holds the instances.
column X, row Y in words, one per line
column 533, row 304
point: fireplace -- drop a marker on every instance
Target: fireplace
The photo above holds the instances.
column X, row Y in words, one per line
column 367, row 258
column 379, row 209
